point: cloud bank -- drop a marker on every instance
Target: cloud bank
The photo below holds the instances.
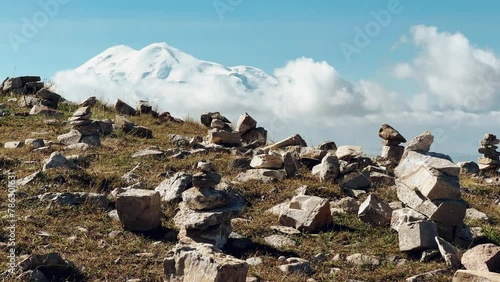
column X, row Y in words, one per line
column 457, row 91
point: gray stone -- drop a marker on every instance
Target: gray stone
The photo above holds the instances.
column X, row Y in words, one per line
column 417, row 236
column 171, row 189
column 72, row 137
column 75, row 198
column 327, row 146
column 204, row 198
column 295, row 140
column 421, row 143
column 148, row 152
column 267, row 162
column 356, row 181
column 360, row 260
column 404, row 216
column 123, row 108
column 280, row 242
column 435, row 178
column 224, row 138
column 296, row 265
column 91, row 140
column 13, row 144
column 468, row 167
column 203, row 263
column 348, row 152
column 56, row 160
column 78, row 146
column 375, row 211
column 219, row 124
column 264, row 175
column 143, row 107
column 393, row 153
column 474, row 214
column 139, row 210
column 307, row 213
column 290, row 165
column 475, row 276
column 451, row 255
column 255, row 138
column 206, row 179
column 245, row 123
column 34, row 143
column 89, row 102
column 387, row 132
column 427, row 276
column 345, row 205
column 448, row 212
column 329, row 168
column 485, row 257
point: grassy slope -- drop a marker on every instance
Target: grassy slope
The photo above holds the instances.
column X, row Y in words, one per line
column 114, row 259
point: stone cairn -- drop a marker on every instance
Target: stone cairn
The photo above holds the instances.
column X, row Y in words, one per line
column 220, row 132
column 84, row 129
column 205, row 212
column 392, row 151
column 251, row 135
column 490, row 159
column 428, row 186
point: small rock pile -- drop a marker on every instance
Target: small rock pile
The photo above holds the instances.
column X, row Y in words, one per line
column 220, row 132
column 490, row 159
column 22, row 85
column 85, row 130
column 392, row 151
column 48, row 98
column 428, row 185
column 205, row 212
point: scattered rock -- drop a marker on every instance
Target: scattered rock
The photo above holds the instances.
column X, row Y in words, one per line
column 56, row 160
column 13, row 144
column 360, row 259
column 123, row 108
column 307, row 214
column 348, row 152
column 280, row 242
column 427, row 276
column 75, row 198
column 451, row 255
column 468, row 167
column 204, row 263
column 295, row 140
column 263, row 175
column 375, row 211
column 474, row 214
column 296, row 265
column 139, row 210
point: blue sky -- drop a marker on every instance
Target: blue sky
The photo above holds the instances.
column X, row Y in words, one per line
column 434, row 79
column 262, row 33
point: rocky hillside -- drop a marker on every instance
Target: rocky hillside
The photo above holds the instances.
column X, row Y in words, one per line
column 94, row 192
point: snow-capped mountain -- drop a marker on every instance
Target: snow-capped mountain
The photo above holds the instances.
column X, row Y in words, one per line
column 162, row 62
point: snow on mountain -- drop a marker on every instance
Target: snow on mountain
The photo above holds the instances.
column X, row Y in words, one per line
column 300, row 93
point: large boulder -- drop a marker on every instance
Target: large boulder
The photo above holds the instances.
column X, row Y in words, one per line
column 416, row 236
column 139, row 210
column 307, row 213
column 447, row 212
column 433, row 176
column 485, row 257
column 203, row 263
column 348, row 152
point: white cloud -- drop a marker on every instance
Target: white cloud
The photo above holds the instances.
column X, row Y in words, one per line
column 458, row 91
column 448, row 67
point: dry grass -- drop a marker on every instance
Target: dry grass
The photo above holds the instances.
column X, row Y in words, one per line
column 81, row 234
